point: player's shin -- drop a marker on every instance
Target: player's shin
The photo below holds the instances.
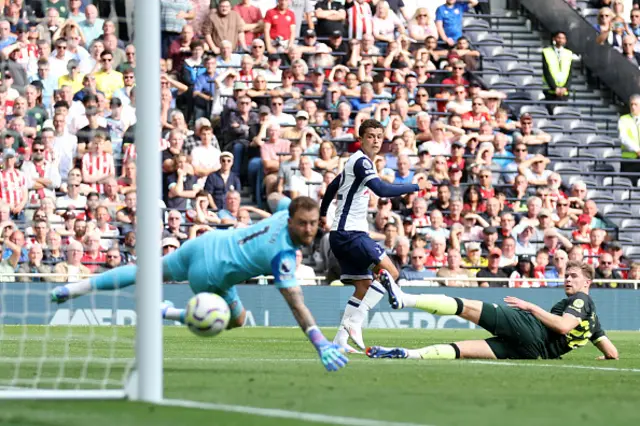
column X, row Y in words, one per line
column 434, row 303
column 435, row 352
column 174, row 314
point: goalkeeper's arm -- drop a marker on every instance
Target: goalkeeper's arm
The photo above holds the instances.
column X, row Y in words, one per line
column 330, row 354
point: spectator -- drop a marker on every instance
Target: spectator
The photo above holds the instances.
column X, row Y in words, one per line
column 306, row 181
column 53, row 254
column 522, row 277
column 422, row 25
column 558, row 270
column 593, row 250
column 305, row 275
column 108, row 80
column 71, row 270
column 43, row 177
column 493, row 271
column 174, row 14
column 331, row 16
column 474, row 260
column 93, row 256
column 280, row 28
column 385, row 24
column 219, row 183
column 605, row 271
column 252, row 17
column 400, row 256
column 128, row 252
column 169, row 245
column 416, row 273
column 524, row 243
column 628, row 50
column 449, row 20
column 34, row 265
column 456, row 275
column 181, row 184
column 9, row 263
column 113, row 260
column 109, row 233
column 14, row 185
column 224, row 24
column 360, row 23
column 437, row 256
column 97, row 165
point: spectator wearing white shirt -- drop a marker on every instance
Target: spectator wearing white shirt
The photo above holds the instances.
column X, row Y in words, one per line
column 439, row 145
column 205, row 158
column 307, row 181
column 65, row 145
column 279, row 117
column 58, row 59
column 305, row 275
column 534, row 169
column 43, row 177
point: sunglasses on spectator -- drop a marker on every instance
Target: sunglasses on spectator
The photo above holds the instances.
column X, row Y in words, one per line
column 112, row 257
column 276, row 103
column 62, row 46
column 38, row 150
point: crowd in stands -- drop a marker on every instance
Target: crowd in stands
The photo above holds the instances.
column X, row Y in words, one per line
column 264, row 99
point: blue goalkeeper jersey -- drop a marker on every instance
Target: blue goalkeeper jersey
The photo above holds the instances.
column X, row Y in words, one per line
column 261, row 249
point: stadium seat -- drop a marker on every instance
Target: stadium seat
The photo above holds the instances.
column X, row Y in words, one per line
column 566, row 112
column 617, row 181
column 535, row 111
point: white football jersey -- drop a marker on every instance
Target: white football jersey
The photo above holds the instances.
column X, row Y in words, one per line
column 353, row 195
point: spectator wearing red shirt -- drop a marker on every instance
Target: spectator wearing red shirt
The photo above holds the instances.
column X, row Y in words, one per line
column 478, row 115
column 252, row 17
column 593, row 250
column 97, row 165
column 279, row 27
column 455, row 212
column 583, row 233
column 486, row 187
column 13, row 185
column 93, row 257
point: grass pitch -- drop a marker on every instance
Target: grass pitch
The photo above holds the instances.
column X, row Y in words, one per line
column 278, row 368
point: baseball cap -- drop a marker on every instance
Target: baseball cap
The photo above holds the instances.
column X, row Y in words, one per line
column 545, row 212
column 584, row 219
column 170, row 242
column 526, row 117
column 473, row 246
column 490, row 230
column 302, row 114
column 495, row 252
column 310, row 33
column 458, row 143
column 239, row 85
column 614, row 245
column 336, row 33
column 274, row 57
column 524, row 258
column 264, row 110
column 8, row 153
column 21, row 27
column 319, row 71
column 115, row 102
column 550, row 233
column 454, row 168
column 226, row 154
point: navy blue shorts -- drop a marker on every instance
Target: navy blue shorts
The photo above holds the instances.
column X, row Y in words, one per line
column 356, row 252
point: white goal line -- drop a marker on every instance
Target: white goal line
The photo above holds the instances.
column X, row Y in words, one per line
column 283, row 414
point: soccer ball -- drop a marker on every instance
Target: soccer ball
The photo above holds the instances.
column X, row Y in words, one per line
column 207, row 314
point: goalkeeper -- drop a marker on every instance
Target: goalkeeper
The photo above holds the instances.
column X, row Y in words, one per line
column 521, row 330
column 216, row 261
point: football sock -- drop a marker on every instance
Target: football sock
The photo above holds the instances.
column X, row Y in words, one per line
column 434, row 303
column 435, row 352
column 350, row 311
column 174, row 314
column 372, row 297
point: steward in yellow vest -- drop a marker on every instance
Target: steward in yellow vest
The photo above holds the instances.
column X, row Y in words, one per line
column 556, row 69
column 629, row 132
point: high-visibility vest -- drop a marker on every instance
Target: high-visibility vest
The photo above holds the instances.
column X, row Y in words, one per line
column 558, row 67
column 628, row 128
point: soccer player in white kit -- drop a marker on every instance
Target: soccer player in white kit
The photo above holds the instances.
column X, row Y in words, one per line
column 349, row 239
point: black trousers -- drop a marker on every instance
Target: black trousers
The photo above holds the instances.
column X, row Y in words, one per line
column 104, row 11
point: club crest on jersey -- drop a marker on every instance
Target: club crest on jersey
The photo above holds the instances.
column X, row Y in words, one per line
column 578, row 303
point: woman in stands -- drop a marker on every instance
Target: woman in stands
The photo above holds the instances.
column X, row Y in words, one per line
column 385, row 25
column 422, row 25
column 473, row 201
column 328, row 158
column 258, row 91
column 523, row 276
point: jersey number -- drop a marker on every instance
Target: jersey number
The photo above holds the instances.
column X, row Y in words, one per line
column 254, row 235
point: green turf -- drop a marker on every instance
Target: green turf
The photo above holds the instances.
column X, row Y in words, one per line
column 277, row 368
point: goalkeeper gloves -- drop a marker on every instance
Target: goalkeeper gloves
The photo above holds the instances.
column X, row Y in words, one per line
column 331, row 355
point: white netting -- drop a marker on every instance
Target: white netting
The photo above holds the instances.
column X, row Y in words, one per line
column 86, row 343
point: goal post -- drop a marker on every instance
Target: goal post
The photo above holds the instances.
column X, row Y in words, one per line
column 89, row 348
column 149, row 278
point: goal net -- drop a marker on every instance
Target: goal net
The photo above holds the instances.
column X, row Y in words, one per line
column 83, row 348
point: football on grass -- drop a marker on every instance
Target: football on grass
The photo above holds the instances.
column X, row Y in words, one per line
column 207, row 314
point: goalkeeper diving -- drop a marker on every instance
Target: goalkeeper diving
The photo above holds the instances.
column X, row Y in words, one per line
column 521, row 330
column 216, row 261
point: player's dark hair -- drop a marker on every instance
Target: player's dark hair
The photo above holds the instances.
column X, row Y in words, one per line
column 302, row 203
column 369, row 124
column 587, row 270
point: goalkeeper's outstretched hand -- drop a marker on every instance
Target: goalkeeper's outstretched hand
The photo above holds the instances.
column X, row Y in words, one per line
column 332, row 357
